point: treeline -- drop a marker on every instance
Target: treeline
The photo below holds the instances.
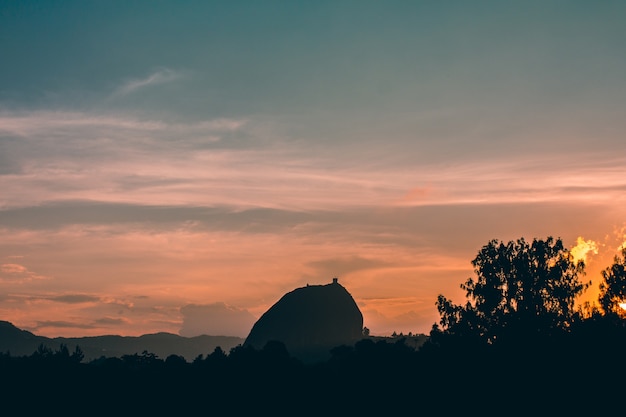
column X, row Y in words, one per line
column 244, row 380
column 559, row 375
column 518, row 345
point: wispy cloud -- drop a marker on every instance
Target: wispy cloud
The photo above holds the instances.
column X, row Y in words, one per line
column 67, row 126
column 234, row 162
column 74, row 298
column 111, row 321
column 161, row 76
column 12, row 272
column 62, row 324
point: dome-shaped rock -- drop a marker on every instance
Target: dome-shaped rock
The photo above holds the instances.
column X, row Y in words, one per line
column 310, row 321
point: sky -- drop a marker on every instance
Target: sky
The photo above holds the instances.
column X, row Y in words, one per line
column 178, row 166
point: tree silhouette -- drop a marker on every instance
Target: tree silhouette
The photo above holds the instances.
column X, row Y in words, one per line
column 175, row 361
column 521, row 288
column 61, row 355
column 613, row 287
column 78, row 355
column 42, row 352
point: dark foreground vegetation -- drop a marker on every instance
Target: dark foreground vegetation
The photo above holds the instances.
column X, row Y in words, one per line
column 517, row 346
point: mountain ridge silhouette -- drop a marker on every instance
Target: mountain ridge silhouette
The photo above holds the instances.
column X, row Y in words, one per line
column 19, row 342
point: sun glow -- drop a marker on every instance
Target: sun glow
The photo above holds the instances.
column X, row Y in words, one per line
column 583, row 248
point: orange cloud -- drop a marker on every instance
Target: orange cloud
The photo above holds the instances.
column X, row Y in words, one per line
column 13, row 269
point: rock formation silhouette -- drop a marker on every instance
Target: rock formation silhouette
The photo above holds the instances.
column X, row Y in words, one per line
column 310, row 321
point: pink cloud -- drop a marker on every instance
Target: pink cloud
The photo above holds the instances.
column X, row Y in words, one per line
column 17, row 273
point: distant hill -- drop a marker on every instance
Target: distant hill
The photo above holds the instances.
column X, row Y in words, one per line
column 310, row 321
column 19, row 342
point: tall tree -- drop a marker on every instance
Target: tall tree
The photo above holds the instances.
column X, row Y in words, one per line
column 613, row 287
column 520, row 288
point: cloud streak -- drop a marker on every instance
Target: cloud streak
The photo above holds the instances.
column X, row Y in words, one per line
column 60, row 324
column 159, row 77
column 13, row 272
column 232, row 162
column 74, row 298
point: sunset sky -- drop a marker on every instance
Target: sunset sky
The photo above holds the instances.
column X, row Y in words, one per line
column 178, row 166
